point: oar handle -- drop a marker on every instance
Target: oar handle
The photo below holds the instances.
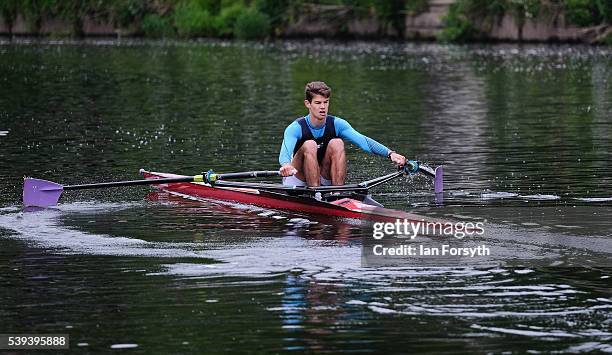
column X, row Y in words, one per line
column 413, row 167
column 135, row 182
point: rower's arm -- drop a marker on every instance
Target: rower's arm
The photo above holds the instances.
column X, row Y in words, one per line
column 346, row 131
column 293, row 132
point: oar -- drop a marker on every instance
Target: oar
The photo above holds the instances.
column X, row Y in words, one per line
column 413, row 166
column 44, row 193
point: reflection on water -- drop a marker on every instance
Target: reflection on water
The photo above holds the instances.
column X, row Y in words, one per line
column 318, row 285
column 523, row 132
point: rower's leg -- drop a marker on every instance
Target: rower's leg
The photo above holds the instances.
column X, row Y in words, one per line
column 306, row 163
column 333, row 166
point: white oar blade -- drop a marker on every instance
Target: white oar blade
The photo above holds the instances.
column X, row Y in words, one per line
column 41, row 193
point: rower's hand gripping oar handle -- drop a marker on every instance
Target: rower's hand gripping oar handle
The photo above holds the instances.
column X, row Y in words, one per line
column 413, row 167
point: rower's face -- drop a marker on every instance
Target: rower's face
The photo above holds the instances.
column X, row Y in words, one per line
column 318, row 107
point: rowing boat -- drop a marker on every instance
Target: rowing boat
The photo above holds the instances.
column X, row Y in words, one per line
column 347, row 201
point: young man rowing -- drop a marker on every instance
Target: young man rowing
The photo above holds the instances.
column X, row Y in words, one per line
column 313, row 145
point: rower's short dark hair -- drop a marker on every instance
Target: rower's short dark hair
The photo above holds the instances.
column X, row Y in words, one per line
column 316, row 88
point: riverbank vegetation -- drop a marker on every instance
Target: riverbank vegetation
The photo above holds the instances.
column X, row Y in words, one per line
column 470, row 19
column 195, row 18
column 464, row 20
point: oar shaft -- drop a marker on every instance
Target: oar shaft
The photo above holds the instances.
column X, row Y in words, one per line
column 228, row 176
column 43, row 193
column 381, row 180
column 289, row 188
column 132, row 183
column 248, row 174
column 427, row 170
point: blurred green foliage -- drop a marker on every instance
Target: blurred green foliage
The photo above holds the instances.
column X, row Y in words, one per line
column 415, row 7
column 261, row 18
column 8, row 11
column 588, row 12
column 252, row 24
column 156, row 26
column 226, row 20
column 125, row 13
column 192, row 19
column 277, row 11
column 457, row 25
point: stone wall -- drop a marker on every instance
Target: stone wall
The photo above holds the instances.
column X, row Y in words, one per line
column 545, row 29
column 57, row 26
column 335, row 21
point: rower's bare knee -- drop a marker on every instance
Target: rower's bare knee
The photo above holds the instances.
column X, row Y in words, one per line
column 310, row 148
column 336, row 146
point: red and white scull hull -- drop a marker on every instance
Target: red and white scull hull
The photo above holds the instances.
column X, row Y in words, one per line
column 344, row 207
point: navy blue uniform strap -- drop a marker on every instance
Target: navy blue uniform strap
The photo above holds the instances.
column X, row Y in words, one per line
column 323, row 141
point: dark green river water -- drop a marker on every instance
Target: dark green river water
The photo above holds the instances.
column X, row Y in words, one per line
column 524, row 134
